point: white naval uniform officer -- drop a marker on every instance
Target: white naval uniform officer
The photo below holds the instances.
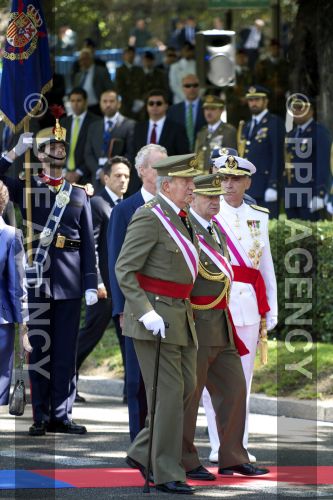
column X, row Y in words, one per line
column 246, row 230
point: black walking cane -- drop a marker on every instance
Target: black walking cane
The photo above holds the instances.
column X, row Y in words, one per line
column 146, row 488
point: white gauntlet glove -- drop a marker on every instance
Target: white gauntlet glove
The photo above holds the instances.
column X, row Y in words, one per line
column 271, row 322
column 329, row 208
column 153, row 321
column 270, row 195
column 91, row 297
column 24, row 143
column 24, row 339
column 316, row 203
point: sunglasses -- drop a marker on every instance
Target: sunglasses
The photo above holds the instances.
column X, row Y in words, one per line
column 155, row 103
column 191, row 85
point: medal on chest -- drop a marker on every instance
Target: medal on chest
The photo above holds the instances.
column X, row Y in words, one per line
column 255, row 251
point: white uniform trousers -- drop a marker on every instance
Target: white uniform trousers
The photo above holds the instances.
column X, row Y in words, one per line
column 249, row 334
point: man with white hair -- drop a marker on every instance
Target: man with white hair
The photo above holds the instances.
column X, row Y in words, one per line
column 253, row 300
column 120, row 218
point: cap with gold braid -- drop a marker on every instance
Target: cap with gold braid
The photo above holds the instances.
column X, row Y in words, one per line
column 256, row 91
column 178, row 166
column 234, row 165
column 208, row 185
column 213, row 101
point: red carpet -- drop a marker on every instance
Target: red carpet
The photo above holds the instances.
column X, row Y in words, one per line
column 115, row 478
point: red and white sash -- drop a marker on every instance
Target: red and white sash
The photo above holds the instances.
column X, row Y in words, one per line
column 238, row 253
column 186, row 247
column 219, row 260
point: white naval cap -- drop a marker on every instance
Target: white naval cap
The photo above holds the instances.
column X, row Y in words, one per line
column 234, row 165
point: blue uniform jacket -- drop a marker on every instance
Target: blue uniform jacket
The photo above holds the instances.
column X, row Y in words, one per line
column 70, row 271
column 12, row 292
column 120, row 218
column 312, row 149
column 265, row 149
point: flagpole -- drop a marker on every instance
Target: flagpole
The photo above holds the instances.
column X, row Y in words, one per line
column 27, row 169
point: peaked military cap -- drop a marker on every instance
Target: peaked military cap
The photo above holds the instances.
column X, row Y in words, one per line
column 234, row 165
column 208, row 185
column 213, row 101
column 51, row 135
column 217, row 152
column 257, row 91
column 178, row 166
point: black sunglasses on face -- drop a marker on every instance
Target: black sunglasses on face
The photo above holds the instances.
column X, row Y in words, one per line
column 155, row 103
column 191, row 85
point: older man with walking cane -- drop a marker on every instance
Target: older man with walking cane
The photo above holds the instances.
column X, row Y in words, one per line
column 156, row 269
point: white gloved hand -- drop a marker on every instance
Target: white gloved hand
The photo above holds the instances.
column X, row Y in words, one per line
column 24, row 339
column 271, row 322
column 270, row 195
column 24, row 143
column 153, row 321
column 91, row 297
column 316, row 203
column 329, row 208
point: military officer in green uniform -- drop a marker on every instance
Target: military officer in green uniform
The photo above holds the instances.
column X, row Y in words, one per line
column 156, row 269
column 218, row 358
column 215, row 134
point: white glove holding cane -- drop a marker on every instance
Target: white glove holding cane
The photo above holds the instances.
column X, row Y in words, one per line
column 153, row 321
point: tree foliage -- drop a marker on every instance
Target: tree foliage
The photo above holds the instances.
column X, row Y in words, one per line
column 311, row 55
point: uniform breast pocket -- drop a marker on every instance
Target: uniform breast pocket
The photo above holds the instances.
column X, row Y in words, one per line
column 162, row 305
column 171, row 251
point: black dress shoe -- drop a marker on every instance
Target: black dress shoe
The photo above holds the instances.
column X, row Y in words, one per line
column 200, row 473
column 176, row 487
column 79, row 398
column 136, row 465
column 37, row 429
column 66, row 427
column 244, row 469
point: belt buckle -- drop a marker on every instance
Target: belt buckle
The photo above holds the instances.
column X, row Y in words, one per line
column 60, row 241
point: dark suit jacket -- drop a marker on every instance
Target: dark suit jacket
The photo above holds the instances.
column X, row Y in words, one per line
column 177, row 113
column 12, row 291
column 101, row 80
column 122, row 135
column 101, row 207
column 80, row 160
column 173, row 138
column 120, row 218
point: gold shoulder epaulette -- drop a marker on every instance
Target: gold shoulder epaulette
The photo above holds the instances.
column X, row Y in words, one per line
column 261, row 209
column 89, row 188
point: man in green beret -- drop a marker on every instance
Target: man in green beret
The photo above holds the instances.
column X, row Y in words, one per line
column 215, row 134
column 156, row 269
column 219, row 366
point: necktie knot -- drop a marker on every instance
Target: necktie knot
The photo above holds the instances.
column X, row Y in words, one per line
column 118, row 200
column 109, row 124
column 210, row 229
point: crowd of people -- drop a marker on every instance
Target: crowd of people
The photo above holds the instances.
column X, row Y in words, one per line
column 171, row 243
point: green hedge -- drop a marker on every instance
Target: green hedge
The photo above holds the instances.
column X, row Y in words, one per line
column 308, row 246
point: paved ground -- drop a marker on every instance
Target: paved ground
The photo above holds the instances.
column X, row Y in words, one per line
column 274, row 440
